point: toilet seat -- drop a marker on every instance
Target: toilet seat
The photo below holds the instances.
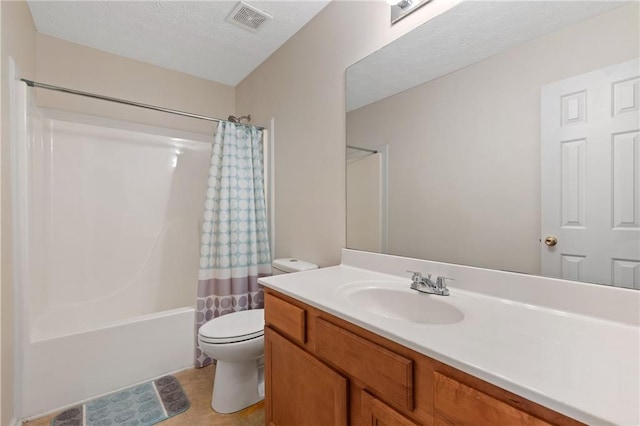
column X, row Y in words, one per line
column 233, row 327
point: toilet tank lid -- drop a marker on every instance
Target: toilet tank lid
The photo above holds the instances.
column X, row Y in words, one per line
column 289, row 264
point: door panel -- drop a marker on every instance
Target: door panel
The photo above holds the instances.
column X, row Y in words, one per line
column 305, row 391
column 591, row 176
column 376, row 413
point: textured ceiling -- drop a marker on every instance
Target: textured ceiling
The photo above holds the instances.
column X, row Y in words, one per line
column 191, row 37
column 464, row 35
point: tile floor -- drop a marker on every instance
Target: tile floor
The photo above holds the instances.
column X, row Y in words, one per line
column 198, row 385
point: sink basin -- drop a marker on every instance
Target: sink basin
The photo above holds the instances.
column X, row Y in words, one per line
column 390, row 300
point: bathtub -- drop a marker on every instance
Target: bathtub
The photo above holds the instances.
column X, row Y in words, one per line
column 110, row 253
column 65, row 370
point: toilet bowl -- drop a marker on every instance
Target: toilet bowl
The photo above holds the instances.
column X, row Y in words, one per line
column 236, row 341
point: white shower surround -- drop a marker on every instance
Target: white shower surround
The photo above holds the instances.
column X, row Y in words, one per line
column 110, row 270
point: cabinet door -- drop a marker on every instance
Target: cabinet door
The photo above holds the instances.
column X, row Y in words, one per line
column 459, row 404
column 376, row 413
column 301, row 390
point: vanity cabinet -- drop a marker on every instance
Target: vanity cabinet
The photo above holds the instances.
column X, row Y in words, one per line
column 321, row 370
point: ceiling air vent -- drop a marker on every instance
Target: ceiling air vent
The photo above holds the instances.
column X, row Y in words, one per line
column 248, row 17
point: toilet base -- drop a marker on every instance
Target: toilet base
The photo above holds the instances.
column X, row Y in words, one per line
column 237, row 385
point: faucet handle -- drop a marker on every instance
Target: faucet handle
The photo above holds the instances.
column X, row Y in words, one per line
column 441, row 281
column 417, row 276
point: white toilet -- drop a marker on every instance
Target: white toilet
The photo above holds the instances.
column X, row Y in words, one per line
column 236, row 341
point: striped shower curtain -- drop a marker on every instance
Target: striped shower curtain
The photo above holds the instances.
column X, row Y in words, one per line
column 235, row 240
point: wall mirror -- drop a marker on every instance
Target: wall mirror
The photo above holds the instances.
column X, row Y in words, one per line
column 503, row 135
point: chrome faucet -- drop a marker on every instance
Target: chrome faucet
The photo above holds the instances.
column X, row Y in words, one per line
column 427, row 285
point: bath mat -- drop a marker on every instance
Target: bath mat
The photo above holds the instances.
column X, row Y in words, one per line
column 140, row 405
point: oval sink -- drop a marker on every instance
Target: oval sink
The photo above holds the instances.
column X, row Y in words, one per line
column 402, row 304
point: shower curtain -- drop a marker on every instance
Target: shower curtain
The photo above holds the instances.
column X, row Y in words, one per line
column 235, row 240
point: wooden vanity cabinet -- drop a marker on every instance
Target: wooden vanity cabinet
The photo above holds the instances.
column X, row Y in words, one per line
column 321, row 370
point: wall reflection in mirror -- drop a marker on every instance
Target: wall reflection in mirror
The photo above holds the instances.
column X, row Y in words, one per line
column 507, row 137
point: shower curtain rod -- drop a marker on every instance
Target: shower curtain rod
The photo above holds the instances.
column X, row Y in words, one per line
column 35, row 84
column 373, row 151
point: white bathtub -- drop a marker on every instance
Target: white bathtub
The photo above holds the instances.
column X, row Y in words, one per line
column 110, row 264
column 65, row 370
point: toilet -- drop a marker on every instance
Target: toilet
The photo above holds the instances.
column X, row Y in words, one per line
column 236, row 342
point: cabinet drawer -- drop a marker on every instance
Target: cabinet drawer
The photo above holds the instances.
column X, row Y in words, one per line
column 385, row 373
column 288, row 319
column 459, row 404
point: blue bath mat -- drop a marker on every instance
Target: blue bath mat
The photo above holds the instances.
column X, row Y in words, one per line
column 140, row 405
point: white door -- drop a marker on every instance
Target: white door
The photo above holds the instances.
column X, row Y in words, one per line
column 591, row 176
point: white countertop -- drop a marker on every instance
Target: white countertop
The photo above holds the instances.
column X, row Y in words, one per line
column 585, row 367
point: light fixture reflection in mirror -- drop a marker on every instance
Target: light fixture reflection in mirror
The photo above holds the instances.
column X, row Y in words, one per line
column 402, row 8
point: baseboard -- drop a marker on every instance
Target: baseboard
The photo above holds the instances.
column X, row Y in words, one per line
column 15, row 422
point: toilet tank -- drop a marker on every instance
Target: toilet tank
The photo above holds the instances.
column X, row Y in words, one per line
column 289, row 264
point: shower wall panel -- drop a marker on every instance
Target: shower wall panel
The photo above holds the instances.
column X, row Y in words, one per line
column 114, row 219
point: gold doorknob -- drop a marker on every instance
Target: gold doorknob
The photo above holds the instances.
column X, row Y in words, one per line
column 551, row 241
